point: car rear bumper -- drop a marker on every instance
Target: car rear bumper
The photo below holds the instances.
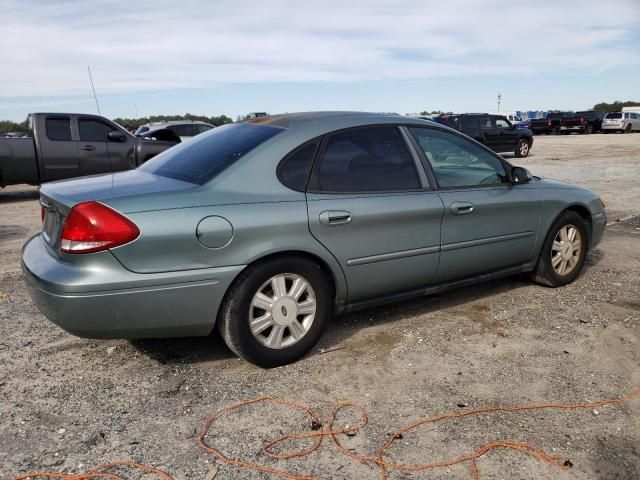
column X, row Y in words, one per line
column 614, row 128
column 102, row 299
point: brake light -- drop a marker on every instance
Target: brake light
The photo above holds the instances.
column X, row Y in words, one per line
column 43, row 213
column 581, row 121
column 549, row 122
column 93, row 227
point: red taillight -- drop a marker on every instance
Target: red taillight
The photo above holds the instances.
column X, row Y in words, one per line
column 549, row 122
column 43, row 213
column 582, row 121
column 92, row 227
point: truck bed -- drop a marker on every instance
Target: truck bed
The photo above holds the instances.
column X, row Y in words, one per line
column 18, row 161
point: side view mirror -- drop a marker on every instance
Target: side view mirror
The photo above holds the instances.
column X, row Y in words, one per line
column 115, row 136
column 520, row 175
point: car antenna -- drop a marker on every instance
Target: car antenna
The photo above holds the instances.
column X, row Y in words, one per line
column 94, row 89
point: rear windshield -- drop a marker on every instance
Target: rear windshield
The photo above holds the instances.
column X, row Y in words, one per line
column 614, row 115
column 201, row 159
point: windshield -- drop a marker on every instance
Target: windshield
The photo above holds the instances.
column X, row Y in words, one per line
column 141, row 130
column 208, row 154
column 615, row 115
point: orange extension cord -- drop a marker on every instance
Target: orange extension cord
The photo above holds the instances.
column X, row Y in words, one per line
column 317, row 433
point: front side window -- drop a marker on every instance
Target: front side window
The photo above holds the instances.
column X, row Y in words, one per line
column 92, row 130
column 58, row 129
column 201, row 159
column 370, row 159
column 502, row 123
column 457, row 162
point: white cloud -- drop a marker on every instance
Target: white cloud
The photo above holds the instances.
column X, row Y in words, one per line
column 163, row 45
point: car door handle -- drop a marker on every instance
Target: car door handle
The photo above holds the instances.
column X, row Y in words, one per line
column 332, row 218
column 87, row 148
column 461, row 208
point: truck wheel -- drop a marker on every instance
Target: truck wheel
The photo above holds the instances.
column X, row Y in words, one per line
column 563, row 253
column 588, row 130
column 557, row 131
column 522, row 149
column 276, row 311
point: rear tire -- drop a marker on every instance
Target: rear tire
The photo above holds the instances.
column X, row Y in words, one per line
column 522, row 148
column 257, row 317
column 557, row 131
column 563, row 253
column 588, row 130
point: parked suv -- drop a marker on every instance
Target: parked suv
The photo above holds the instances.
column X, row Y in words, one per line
column 185, row 129
column 494, row 131
column 624, row 122
column 587, row 122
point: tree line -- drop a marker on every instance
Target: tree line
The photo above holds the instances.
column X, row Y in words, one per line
column 615, row 106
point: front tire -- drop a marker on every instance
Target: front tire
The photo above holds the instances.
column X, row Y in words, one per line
column 276, row 311
column 564, row 251
column 522, row 148
column 627, row 129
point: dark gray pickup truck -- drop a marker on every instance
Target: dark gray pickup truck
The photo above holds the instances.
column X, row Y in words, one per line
column 66, row 145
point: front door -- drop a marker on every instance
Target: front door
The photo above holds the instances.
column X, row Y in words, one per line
column 369, row 207
column 507, row 134
column 488, row 223
column 98, row 154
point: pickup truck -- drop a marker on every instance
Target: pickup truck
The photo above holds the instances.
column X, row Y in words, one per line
column 66, row 145
column 550, row 124
column 587, row 122
column 494, row 131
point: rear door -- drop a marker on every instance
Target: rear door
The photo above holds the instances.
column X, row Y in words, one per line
column 488, row 223
column 370, row 205
column 56, row 148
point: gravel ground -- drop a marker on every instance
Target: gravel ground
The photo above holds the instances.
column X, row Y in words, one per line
column 69, row 404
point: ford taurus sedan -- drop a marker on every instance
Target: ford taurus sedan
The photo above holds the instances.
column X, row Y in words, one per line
column 268, row 228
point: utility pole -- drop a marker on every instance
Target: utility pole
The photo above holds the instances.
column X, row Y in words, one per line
column 499, row 98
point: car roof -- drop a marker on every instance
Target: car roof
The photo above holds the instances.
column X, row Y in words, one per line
column 334, row 120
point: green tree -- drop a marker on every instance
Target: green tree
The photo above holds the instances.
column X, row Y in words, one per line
column 615, row 106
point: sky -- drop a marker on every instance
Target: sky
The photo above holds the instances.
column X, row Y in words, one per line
column 236, row 56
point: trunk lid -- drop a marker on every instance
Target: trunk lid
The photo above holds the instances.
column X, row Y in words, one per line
column 57, row 198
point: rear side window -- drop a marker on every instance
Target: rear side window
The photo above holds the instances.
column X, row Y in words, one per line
column 295, row 169
column 204, row 157
column 58, row 129
column 616, row 115
column 371, row 159
column 92, row 130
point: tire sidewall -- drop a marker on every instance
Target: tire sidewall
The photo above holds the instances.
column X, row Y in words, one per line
column 236, row 313
column 547, row 269
column 519, row 146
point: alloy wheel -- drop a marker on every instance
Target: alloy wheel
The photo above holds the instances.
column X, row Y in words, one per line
column 566, row 250
column 282, row 311
column 524, row 149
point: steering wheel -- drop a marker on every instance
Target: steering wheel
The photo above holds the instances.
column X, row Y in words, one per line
column 487, row 180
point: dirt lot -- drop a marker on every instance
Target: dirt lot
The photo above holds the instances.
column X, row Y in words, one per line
column 69, row 404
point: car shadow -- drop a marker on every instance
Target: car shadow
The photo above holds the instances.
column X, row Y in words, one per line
column 10, row 196
column 187, row 350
